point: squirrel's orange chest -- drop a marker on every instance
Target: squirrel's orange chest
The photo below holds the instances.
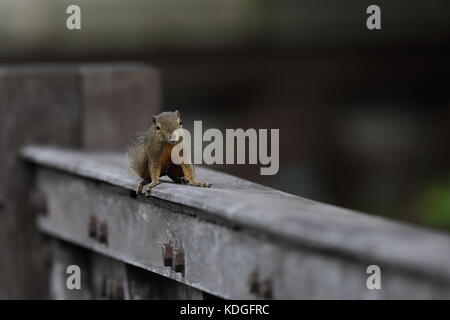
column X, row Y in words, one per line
column 165, row 158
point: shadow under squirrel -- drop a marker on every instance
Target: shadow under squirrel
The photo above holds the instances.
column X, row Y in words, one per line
column 150, row 154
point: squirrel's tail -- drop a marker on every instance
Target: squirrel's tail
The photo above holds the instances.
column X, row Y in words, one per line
column 138, row 154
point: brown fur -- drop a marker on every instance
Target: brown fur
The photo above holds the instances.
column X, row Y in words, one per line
column 150, row 154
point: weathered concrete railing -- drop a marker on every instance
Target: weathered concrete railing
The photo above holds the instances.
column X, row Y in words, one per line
column 90, row 106
column 235, row 240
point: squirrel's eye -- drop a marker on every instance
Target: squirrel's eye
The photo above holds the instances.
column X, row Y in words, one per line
column 158, row 127
column 181, row 122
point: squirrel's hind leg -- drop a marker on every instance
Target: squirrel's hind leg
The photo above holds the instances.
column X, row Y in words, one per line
column 176, row 174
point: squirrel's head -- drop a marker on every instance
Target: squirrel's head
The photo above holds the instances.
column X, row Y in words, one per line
column 166, row 125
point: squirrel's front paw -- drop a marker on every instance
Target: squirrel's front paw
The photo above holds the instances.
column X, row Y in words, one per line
column 140, row 186
column 147, row 192
column 149, row 188
column 201, row 184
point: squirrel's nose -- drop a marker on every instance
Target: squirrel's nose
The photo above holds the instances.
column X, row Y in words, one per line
column 174, row 137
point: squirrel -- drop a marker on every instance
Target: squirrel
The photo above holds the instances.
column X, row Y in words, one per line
column 150, row 154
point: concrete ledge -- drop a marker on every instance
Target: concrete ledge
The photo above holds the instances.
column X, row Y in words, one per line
column 277, row 231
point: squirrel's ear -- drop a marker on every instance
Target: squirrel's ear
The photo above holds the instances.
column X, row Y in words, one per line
column 178, row 113
column 154, row 119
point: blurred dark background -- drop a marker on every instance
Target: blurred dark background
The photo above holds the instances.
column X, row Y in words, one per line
column 364, row 116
